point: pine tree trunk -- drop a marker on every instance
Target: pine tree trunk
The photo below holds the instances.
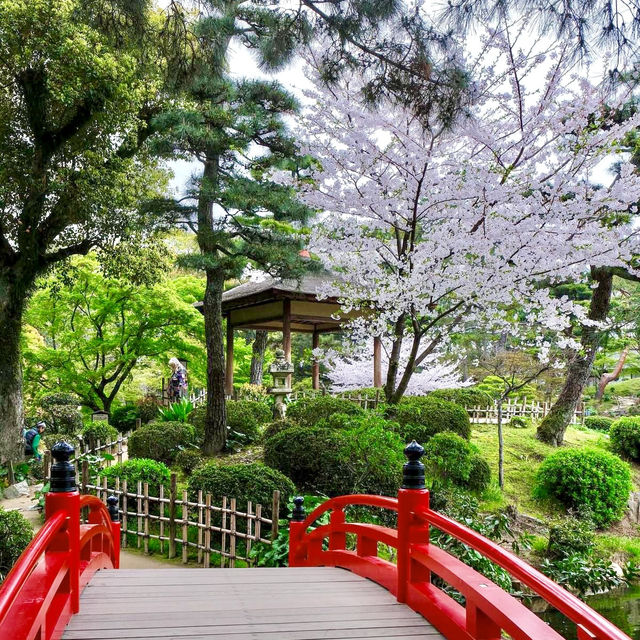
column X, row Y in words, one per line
column 500, row 447
column 606, row 378
column 257, row 357
column 11, row 407
column 552, row 428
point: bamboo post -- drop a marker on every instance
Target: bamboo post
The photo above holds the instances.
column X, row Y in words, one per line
column 207, row 531
column 138, row 423
column 232, row 534
column 146, row 518
column 125, row 508
column 249, row 528
column 84, row 478
column 139, row 513
column 185, row 527
column 119, row 454
column 46, row 465
column 172, row 515
column 105, row 490
column 223, row 545
column 11, row 476
column 200, row 523
column 257, row 531
column 161, row 538
column 275, row 514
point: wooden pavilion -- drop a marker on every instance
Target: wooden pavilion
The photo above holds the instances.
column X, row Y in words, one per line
column 286, row 306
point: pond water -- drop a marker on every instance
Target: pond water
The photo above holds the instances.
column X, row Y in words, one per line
column 622, row 607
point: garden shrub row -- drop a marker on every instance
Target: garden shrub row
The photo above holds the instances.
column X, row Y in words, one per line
column 243, row 416
column 599, row 423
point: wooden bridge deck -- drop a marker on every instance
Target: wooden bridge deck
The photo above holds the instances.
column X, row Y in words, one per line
column 241, row 604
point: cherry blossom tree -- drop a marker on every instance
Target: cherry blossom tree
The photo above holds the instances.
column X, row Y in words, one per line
column 431, row 227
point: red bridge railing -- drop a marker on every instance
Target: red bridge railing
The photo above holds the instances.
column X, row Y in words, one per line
column 488, row 609
column 42, row 590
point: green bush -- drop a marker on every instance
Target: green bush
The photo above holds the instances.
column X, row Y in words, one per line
column 420, row 418
column 521, row 422
column 570, row 537
column 147, row 408
column 124, row 418
column 625, row 437
column 447, row 457
column 15, row 534
column 138, row 470
column 308, row 411
column 254, row 481
column 63, row 419
column 60, row 398
column 49, row 439
column 465, row 397
column 276, row 427
column 188, row 459
column 160, row 440
column 599, row 423
column 363, row 459
column 365, row 392
column 196, row 418
column 99, row 430
column 587, row 481
column 480, row 474
column 246, row 417
column 340, row 421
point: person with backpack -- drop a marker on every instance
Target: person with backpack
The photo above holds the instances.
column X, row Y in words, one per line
column 177, row 381
column 32, row 440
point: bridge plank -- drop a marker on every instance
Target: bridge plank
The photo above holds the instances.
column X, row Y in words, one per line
column 241, row 604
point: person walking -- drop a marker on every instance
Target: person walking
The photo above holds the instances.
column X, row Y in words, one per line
column 177, row 381
column 32, row 439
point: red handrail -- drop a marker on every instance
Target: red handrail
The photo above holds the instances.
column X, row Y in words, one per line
column 42, row 590
column 488, row 609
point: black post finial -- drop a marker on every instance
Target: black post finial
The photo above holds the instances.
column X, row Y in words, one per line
column 298, row 514
column 63, row 473
column 413, row 469
column 112, row 506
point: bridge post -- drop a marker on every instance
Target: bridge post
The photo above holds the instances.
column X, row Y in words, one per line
column 296, row 531
column 64, row 496
column 112, row 506
column 412, row 497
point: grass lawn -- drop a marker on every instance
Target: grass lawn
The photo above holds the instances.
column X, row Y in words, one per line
column 522, row 456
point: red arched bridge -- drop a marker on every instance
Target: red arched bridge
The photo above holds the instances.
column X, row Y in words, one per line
column 67, row 584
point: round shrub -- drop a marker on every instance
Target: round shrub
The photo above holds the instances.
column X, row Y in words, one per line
column 255, row 482
column 124, row 418
column 60, row 398
column 420, row 418
column 196, row 418
column 570, row 537
column 447, row 456
column 276, row 427
column 599, row 423
column 64, row 419
column 138, row 470
column 102, row 431
column 15, row 534
column 308, row 411
column 188, row 459
column 521, row 422
column 480, row 474
column 587, row 480
column 625, row 437
column 160, row 440
column 245, row 416
column 147, row 408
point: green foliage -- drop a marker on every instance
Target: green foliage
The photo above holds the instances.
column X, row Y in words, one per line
column 588, row 481
column 276, row 427
column 447, row 457
column 49, row 439
column 420, row 418
column 188, row 459
column 176, row 411
column 366, row 458
column 581, row 574
column 15, row 534
column 253, row 392
column 245, row 416
column 599, row 423
column 124, row 418
column 160, row 440
column 521, row 422
column 308, row 411
column 99, row 430
column 495, row 387
column 196, row 418
column 253, row 481
column 465, row 396
column 570, row 537
column 625, row 437
column 138, row 470
column 60, row 398
column 480, row 474
column 147, row 408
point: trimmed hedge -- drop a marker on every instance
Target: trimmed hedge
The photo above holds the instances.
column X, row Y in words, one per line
column 625, row 437
column 160, row 440
column 308, row 411
column 594, row 483
column 124, row 418
column 480, row 474
column 599, row 423
column 276, row 427
column 254, row 481
column 147, row 408
column 465, row 396
column 100, row 430
column 15, row 534
column 420, row 418
column 243, row 416
column 138, row 470
column 188, row 459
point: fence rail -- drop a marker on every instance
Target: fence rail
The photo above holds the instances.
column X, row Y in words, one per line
column 175, row 521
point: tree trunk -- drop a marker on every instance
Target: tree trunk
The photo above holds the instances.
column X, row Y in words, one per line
column 500, row 447
column 11, row 407
column 257, row 357
column 552, row 428
column 394, row 359
column 606, row 378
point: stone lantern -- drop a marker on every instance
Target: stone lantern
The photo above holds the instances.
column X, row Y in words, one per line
column 281, row 371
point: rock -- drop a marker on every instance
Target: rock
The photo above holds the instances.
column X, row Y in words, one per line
column 633, row 507
column 16, row 490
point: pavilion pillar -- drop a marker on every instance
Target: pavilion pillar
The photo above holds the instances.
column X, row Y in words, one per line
column 377, row 362
column 228, row 376
column 286, row 334
column 315, row 367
